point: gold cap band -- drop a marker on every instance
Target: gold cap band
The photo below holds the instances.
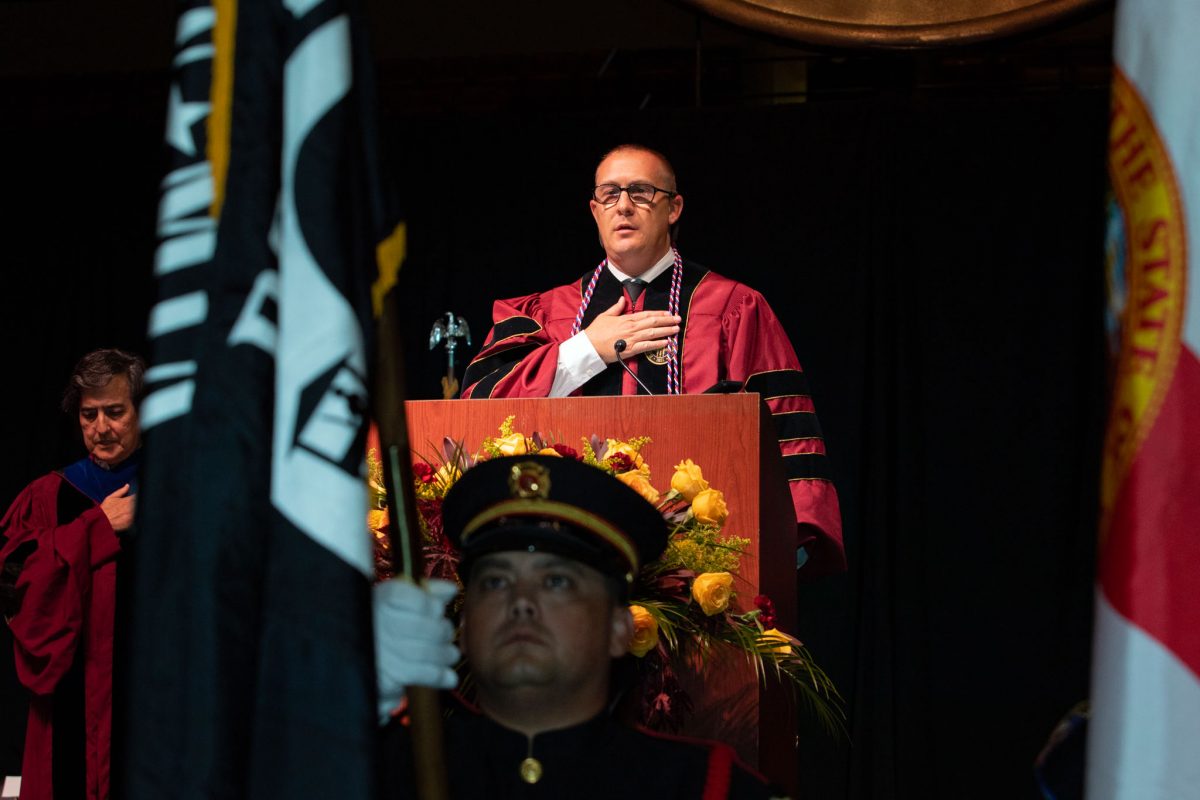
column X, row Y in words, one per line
column 552, row 509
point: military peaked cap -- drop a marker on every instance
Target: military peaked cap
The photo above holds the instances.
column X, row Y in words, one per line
column 555, row 505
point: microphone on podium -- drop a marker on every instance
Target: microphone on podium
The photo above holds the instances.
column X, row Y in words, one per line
column 619, row 346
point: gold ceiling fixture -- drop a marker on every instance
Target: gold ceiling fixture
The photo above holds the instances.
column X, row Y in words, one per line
column 892, row 23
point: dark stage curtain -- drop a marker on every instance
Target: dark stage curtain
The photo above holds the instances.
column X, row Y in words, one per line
column 938, row 264
column 81, row 170
column 937, row 260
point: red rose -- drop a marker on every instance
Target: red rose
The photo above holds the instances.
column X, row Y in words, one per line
column 567, row 452
column 766, row 610
column 620, row 463
column 423, row 472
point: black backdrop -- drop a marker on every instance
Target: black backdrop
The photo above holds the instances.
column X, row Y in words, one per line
column 937, row 263
column 935, row 258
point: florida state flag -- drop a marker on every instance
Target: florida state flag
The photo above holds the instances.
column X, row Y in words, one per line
column 1145, row 730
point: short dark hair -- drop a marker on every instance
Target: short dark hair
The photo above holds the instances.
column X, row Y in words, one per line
column 97, row 368
column 674, row 187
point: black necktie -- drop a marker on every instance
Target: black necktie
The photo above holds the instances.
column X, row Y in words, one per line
column 634, row 286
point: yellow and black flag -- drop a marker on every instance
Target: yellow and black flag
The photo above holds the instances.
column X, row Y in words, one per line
column 247, row 669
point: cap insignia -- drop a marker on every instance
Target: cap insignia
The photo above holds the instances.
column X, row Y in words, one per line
column 529, row 480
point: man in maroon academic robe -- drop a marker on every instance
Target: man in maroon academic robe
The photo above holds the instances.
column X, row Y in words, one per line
column 680, row 328
column 60, row 543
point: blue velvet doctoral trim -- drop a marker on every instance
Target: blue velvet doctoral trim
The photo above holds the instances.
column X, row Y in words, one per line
column 97, row 482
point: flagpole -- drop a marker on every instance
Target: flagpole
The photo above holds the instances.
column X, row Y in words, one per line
column 424, row 708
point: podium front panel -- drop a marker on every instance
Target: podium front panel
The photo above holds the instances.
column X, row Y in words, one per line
column 729, row 437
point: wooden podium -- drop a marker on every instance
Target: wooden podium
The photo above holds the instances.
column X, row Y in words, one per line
column 732, row 438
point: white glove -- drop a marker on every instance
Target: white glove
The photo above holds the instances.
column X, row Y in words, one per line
column 413, row 638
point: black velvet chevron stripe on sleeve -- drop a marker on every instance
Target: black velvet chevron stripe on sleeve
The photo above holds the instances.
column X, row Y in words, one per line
column 797, row 425
column 806, row 466
column 485, row 372
column 493, row 364
column 778, row 383
column 514, row 326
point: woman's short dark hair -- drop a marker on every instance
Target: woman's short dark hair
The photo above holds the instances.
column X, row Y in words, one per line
column 97, row 368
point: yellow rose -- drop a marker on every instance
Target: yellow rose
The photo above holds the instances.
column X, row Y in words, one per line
column 549, row 451
column 784, row 648
column 708, row 507
column 688, row 480
column 712, row 590
column 512, row 445
column 645, row 631
column 637, row 481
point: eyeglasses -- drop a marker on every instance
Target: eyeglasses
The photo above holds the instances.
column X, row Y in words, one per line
column 641, row 193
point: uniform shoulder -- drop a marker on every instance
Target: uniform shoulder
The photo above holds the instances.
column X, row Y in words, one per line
column 666, row 743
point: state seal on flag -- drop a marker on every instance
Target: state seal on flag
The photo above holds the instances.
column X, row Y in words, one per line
column 1148, row 227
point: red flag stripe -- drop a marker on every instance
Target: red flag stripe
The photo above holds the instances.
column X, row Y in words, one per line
column 1151, row 558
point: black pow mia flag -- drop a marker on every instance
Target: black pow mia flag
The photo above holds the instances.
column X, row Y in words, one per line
column 249, row 668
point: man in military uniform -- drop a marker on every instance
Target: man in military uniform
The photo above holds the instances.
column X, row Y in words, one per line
column 681, row 328
column 550, row 547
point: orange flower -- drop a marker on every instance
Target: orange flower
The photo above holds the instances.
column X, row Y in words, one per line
column 637, row 481
column 688, row 480
column 549, row 451
column 377, row 519
column 712, row 591
column 645, row 631
column 708, row 507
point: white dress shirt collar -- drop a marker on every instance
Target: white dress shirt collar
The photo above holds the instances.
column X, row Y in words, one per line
column 649, row 275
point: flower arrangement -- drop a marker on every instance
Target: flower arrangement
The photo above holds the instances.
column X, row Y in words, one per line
column 684, row 605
